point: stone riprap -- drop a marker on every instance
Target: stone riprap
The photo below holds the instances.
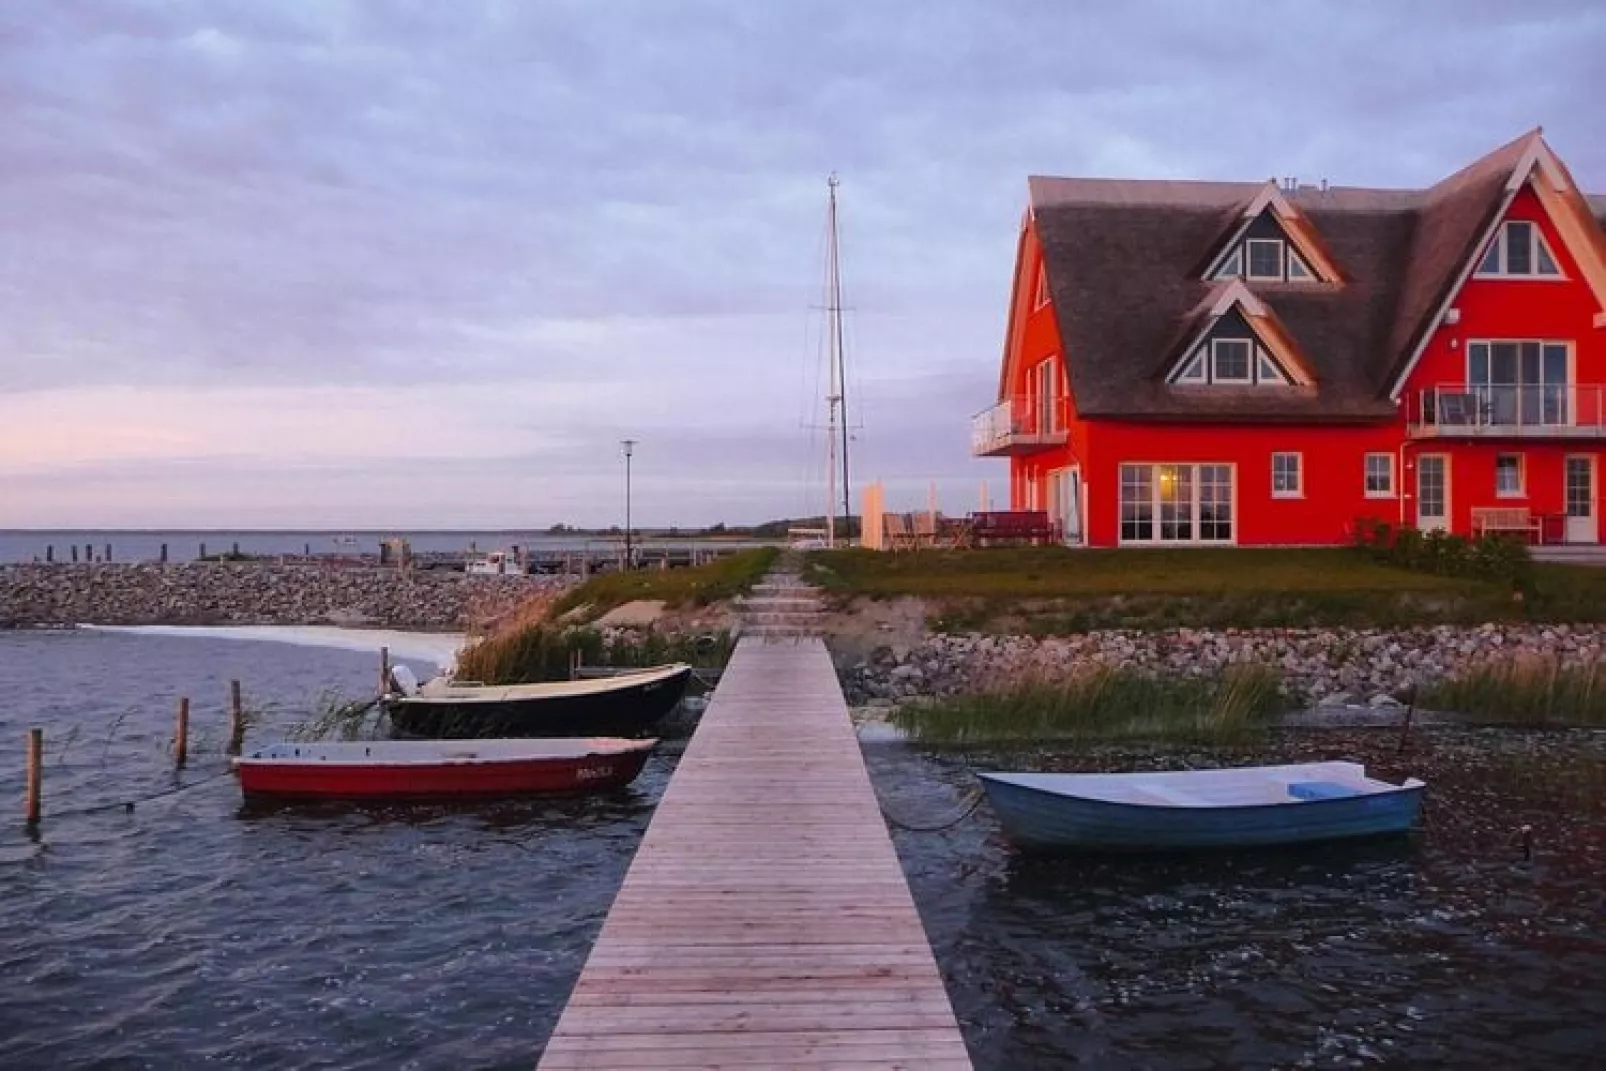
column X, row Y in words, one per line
column 209, row 593
column 1330, row 666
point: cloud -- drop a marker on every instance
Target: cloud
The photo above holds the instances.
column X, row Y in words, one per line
column 415, row 213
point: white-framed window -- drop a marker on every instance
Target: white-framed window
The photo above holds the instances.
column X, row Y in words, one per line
column 1265, row 258
column 1508, row 476
column 1379, row 475
column 1286, row 478
column 1298, row 272
column 1230, row 361
column 1176, row 503
column 1518, row 250
column 1521, row 381
column 1042, row 288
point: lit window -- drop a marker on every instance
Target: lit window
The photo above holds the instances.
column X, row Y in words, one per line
column 1230, row 358
column 1379, row 475
column 1508, row 475
column 1285, row 481
column 1265, row 258
column 1519, row 250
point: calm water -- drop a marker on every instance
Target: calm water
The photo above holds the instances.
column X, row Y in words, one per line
column 189, row 933
column 146, row 546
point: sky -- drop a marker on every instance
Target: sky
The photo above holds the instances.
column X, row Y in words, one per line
column 423, row 264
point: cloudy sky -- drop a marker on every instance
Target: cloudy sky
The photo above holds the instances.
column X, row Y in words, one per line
column 355, row 263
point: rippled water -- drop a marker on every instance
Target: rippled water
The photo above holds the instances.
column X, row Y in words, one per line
column 1445, row 949
column 192, row 933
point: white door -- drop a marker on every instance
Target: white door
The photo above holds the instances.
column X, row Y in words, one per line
column 1433, row 493
column 1065, row 502
column 1582, row 524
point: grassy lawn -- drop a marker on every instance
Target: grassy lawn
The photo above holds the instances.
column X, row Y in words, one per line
column 723, row 578
column 1056, row 589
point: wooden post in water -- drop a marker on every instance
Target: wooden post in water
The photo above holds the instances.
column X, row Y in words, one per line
column 75, row 553
column 50, row 552
column 181, row 734
column 36, row 772
column 108, row 552
column 384, row 670
column 236, row 719
column 164, row 553
column 203, row 551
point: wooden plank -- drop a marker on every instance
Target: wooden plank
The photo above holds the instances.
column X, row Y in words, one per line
column 765, row 920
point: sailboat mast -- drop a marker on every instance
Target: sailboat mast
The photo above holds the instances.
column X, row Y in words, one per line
column 839, row 372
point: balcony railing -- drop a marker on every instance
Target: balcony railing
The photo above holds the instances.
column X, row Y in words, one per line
column 1475, row 410
column 1020, row 425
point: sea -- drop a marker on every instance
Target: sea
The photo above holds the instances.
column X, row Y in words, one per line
column 153, row 921
column 29, row 545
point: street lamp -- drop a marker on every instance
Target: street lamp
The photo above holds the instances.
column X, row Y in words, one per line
column 629, row 448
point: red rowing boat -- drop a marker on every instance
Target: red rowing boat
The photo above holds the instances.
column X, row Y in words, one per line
column 431, row 769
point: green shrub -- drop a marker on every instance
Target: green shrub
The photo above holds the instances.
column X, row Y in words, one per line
column 1493, row 558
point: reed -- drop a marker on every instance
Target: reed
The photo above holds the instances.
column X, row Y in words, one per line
column 541, row 651
column 1525, row 689
column 1102, row 703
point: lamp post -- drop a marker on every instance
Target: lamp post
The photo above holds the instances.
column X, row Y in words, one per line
column 629, row 446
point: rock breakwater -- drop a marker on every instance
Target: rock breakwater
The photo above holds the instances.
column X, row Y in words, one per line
column 201, row 593
column 1331, row 666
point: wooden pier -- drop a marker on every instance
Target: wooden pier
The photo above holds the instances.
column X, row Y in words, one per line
column 765, row 921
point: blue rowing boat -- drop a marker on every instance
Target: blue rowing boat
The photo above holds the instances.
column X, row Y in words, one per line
column 1240, row 807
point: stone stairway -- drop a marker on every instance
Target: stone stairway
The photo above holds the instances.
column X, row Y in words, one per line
column 781, row 606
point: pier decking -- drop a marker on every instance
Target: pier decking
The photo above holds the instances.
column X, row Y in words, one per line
column 765, row 921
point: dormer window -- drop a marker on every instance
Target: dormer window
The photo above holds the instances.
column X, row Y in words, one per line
column 1042, row 288
column 1269, row 260
column 1231, row 362
column 1518, row 251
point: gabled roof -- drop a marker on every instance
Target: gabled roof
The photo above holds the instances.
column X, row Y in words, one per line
column 1124, row 261
column 1226, row 297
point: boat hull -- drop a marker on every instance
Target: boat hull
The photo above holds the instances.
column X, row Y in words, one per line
column 1039, row 820
column 629, row 710
column 445, row 780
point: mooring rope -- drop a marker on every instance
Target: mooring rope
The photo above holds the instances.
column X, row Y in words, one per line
column 966, row 809
column 128, row 805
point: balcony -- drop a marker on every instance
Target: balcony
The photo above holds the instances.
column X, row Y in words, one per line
column 1479, row 411
column 1024, row 424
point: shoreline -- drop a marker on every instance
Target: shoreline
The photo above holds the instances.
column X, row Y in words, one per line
column 262, row 594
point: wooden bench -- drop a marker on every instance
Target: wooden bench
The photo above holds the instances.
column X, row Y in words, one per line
column 1495, row 520
column 1012, row 526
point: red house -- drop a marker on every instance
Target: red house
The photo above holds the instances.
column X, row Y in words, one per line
column 1263, row 364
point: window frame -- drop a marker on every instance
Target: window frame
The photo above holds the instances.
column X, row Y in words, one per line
column 1042, row 297
column 1521, row 467
column 1366, row 475
column 1248, row 378
column 1147, row 514
column 1539, row 252
column 1298, row 488
column 1282, row 260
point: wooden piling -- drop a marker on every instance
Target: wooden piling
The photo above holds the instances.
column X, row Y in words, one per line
column 36, row 773
column 164, row 553
column 202, row 555
column 181, row 733
column 384, row 670
column 236, row 720
column 50, row 552
column 108, row 552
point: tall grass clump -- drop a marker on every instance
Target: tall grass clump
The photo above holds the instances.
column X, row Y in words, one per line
column 1103, row 703
column 545, row 652
column 717, row 581
column 1525, row 690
